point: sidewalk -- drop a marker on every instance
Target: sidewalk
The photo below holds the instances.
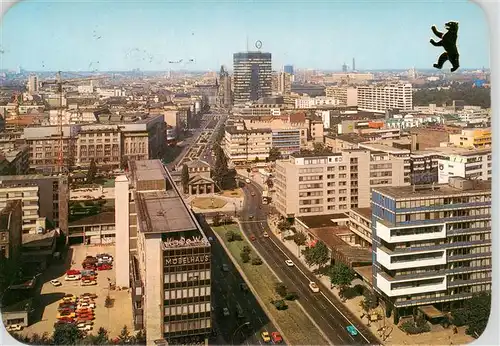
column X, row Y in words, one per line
column 438, row 336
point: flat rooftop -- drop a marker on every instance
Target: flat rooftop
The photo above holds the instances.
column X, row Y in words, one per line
column 147, row 170
column 320, row 221
column 363, row 212
column 396, row 192
column 163, row 212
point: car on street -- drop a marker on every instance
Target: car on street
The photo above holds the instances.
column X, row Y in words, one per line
column 276, row 336
column 55, row 283
column 250, row 217
column 104, row 266
column 289, row 263
column 225, row 312
column 352, row 330
column 225, row 268
column 72, row 277
column 243, row 287
column 247, row 181
column 73, row 272
column 253, row 193
column 265, row 336
column 66, row 314
column 14, row 328
column 85, row 328
column 252, row 237
column 266, row 235
column 86, row 305
column 88, row 283
column 314, row 287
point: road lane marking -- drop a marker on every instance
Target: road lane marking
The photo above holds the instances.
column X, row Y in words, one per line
column 328, row 299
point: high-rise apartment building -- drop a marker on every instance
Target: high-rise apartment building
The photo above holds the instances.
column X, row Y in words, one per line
column 347, row 96
column 252, row 76
column 431, row 244
column 311, row 184
column 285, row 84
column 379, row 98
column 288, row 69
column 44, row 200
column 225, row 93
column 33, row 84
column 170, row 270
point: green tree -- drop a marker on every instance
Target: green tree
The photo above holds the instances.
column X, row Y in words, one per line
column 124, row 337
column 340, row 274
column 280, row 289
column 92, row 171
column 283, row 225
column 102, row 337
column 246, row 249
column 66, row 334
column 321, row 253
column 185, row 177
column 245, row 256
column 370, row 302
column 274, row 154
column 37, row 339
column 475, row 314
column 299, row 239
column 140, row 338
column 216, row 220
column 221, row 169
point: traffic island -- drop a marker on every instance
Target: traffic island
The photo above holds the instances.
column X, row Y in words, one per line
column 295, row 326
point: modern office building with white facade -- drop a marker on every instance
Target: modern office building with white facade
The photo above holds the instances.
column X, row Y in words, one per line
column 431, row 245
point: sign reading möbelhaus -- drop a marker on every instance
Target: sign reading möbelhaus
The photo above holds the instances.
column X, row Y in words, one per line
column 187, row 260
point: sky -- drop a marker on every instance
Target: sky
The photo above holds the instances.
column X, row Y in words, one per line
column 122, row 35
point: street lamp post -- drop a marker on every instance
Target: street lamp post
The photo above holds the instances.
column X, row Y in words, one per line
column 237, row 329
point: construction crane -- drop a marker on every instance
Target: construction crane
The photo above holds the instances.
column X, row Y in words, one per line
column 59, row 83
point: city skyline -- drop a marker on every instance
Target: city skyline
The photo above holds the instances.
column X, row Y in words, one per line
column 102, row 38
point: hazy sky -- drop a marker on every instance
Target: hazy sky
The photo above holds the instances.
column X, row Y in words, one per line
column 64, row 35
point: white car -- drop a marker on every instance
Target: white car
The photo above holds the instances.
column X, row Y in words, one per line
column 313, row 287
column 14, row 328
column 55, row 283
column 72, row 277
column 225, row 268
column 266, row 235
column 85, row 328
column 247, row 181
column 289, row 263
column 225, row 311
column 86, row 305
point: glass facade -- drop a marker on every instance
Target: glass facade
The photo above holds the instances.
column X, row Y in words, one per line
column 252, row 76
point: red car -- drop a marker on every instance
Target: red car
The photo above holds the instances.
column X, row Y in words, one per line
column 66, row 319
column 104, row 266
column 73, row 272
column 252, row 237
column 84, row 318
column 90, row 278
column 276, row 337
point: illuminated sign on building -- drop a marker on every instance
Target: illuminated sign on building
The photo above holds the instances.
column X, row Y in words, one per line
column 183, row 242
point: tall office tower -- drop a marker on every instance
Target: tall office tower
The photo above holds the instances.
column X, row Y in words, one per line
column 344, row 68
column 225, row 93
column 353, row 64
column 379, row 98
column 288, row 69
column 33, row 84
column 431, row 245
column 285, row 83
column 252, row 76
column 170, row 266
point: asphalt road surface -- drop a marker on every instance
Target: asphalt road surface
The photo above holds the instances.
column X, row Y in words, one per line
column 330, row 315
column 227, row 292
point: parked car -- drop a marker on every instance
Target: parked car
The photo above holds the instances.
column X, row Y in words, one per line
column 89, row 295
column 66, row 314
column 225, row 312
column 276, row 336
column 225, row 268
column 89, row 277
column 104, row 266
column 72, row 277
column 55, row 283
column 88, row 283
column 84, row 318
column 85, row 305
column 68, row 300
column 73, row 272
column 85, row 328
column 266, row 235
column 265, row 336
column 252, row 237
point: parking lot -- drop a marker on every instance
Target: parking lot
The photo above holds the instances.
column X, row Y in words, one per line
column 113, row 319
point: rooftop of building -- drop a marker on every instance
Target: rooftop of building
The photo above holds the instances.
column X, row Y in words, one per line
column 320, row 221
column 456, row 186
column 105, row 218
column 163, row 212
column 384, row 147
column 364, row 212
column 146, row 170
column 6, row 178
column 452, row 150
column 234, row 130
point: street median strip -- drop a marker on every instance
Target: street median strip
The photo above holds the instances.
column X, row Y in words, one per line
column 296, row 327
